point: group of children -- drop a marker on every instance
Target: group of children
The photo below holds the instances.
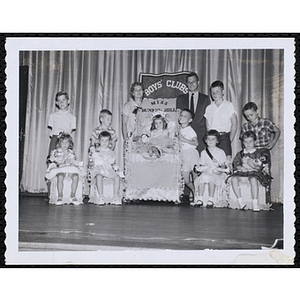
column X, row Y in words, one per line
column 62, row 161
column 212, row 167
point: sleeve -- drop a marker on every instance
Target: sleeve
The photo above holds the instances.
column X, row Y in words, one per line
column 126, row 109
column 231, row 109
column 114, row 135
column 270, row 125
column 206, row 113
column 73, row 123
column 192, row 133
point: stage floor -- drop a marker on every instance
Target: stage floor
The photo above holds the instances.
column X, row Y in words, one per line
column 143, row 225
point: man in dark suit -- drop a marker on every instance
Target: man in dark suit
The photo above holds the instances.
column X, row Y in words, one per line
column 197, row 103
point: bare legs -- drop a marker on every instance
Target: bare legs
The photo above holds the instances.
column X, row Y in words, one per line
column 99, row 184
column 254, row 191
column 60, row 185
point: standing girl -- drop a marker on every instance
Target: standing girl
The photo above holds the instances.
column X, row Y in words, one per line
column 130, row 110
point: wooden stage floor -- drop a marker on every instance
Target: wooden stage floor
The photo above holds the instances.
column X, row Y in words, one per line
column 144, row 225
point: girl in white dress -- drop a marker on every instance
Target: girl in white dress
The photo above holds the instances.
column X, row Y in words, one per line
column 62, row 161
column 213, row 166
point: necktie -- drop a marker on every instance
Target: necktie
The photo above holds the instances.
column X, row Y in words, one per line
column 192, row 103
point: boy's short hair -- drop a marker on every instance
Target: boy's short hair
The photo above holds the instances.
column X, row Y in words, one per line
column 249, row 134
column 192, row 74
column 248, row 106
column 104, row 112
column 217, row 83
column 212, row 132
column 61, row 94
column 104, row 134
column 192, row 115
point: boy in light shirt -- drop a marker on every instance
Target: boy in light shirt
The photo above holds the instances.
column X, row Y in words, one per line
column 221, row 116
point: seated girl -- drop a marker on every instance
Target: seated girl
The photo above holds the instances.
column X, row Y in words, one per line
column 62, row 161
column 102, row 164
column 159, row 140
column 251, row 163
column 213, row 167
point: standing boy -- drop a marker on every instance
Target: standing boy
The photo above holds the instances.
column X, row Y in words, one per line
column 105, row 119
column 221, row 116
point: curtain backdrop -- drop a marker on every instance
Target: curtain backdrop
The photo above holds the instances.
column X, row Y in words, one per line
column 101, row 79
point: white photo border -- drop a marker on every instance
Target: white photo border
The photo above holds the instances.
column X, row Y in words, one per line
column 145, row 257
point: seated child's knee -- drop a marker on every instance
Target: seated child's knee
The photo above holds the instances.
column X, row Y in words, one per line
column 60, row 176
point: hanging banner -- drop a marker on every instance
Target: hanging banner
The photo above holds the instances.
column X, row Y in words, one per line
column 161, row 92
column 165, row 85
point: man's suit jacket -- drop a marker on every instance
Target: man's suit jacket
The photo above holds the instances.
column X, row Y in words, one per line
column 199, row 122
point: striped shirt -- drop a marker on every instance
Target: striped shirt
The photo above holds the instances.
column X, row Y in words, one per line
column 95, row 134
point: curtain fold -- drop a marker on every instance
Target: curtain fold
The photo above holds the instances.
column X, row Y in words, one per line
column 101, row 79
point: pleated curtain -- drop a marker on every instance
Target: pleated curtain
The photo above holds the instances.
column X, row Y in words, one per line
column 96, row 80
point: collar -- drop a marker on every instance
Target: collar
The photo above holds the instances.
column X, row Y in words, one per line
column 249, row 151
column 258, row 120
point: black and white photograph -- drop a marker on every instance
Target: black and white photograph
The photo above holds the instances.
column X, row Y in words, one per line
column 150, row 151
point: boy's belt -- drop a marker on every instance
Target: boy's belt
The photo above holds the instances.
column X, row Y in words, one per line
column 222, row 133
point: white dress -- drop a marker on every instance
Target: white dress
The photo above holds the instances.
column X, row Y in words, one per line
column 209, row 167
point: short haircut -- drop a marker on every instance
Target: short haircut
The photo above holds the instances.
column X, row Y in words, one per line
column 250, row 105
column 249, row 134
column 212, row 132
column 192, row 74
column 61, row 94
column 217, row 83
column 192, row 115
column 104, row 112
column 104, row 134
column 133, row 86
column 64, row 136
column 158, row 117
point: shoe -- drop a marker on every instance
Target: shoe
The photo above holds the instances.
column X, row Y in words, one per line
column 198, row 203
column 209, row 204
column 59, row 201
column 242, row 205
column 255, row 206
column 101, row 201
column 75, row 201
column 117, row 201
column 177, row 202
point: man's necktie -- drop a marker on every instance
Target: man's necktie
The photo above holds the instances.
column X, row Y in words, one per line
column 192, row 103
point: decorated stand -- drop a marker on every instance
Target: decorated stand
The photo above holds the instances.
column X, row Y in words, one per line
column 154, row 175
